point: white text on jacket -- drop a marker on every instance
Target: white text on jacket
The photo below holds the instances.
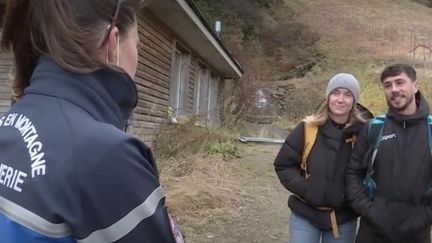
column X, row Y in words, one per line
column 11, row 177
column 29, row 134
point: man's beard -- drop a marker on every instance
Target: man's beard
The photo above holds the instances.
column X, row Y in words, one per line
column 404, row 106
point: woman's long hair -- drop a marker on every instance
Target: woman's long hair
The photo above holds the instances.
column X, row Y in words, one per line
column 322, row 114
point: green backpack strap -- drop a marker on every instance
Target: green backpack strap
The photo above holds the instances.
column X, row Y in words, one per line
column 375, row 130
column 427, row 197
column 430, row 132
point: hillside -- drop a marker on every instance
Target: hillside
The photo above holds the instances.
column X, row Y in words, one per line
column 363, row 36
column 302, row 43
column 264, row 29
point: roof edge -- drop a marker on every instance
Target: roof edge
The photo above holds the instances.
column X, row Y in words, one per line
column 206, row 23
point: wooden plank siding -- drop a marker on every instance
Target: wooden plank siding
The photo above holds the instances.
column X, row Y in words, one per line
column 152, row 77
column 5, row 66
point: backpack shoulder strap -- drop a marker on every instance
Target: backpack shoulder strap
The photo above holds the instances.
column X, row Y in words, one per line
column 310, row 134
column 430, row 132
column 375, row 130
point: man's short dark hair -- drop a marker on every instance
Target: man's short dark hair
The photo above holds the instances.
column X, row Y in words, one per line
column 396, row 69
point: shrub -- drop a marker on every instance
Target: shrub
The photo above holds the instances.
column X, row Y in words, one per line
column 180, row 140
column 227, row 149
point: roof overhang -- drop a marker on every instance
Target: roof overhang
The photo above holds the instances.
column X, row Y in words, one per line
column 187, row 22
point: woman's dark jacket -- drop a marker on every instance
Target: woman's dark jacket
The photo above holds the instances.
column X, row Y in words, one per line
column 325, row 187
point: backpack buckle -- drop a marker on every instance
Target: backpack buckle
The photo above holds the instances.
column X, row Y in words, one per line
column 370, row 186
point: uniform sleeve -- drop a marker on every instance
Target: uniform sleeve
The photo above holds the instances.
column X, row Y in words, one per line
column 121, row 199
column 355, row 173
column 287, row 162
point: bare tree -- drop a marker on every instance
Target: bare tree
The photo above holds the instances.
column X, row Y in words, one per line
column 240, row 97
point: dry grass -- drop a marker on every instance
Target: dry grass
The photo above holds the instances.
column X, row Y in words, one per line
column 362, row 37
column 184, row 139
column 201, row 182
column 234, row 201
column 202, row 189
column 379, row 26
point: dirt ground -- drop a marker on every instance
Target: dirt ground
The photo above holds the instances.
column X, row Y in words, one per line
column 262, row 214
column 265, row 214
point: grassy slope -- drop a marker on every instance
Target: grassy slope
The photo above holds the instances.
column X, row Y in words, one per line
column 362, row 37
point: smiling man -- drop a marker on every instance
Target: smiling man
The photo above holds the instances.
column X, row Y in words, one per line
column 400, row 208
column 400, row 89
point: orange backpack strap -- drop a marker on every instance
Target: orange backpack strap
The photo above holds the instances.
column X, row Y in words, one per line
column 310, row 134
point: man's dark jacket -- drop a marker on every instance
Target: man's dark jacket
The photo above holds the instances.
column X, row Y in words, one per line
column 401, row 209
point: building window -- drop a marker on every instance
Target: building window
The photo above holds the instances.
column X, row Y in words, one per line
column 213, row 100
column 179, row 82
column 206, row 95
column 201, row 92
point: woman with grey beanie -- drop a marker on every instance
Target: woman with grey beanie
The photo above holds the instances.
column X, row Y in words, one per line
column 311, row 165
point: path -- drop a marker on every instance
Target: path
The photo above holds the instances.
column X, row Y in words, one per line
column 262, row 218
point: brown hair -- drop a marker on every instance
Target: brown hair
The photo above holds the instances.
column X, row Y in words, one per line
column 398, row 68
column 69, row 31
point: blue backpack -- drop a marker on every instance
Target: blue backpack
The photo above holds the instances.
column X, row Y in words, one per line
column 375, row 130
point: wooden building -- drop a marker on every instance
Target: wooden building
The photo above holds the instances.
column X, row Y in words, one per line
column 182, row 68
column 5, row 65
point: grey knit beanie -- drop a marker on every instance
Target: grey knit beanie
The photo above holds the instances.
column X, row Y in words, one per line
column 344, row 80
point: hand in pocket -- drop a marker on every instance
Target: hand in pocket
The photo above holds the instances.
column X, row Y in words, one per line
column 379, row 215
column 412, row 220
